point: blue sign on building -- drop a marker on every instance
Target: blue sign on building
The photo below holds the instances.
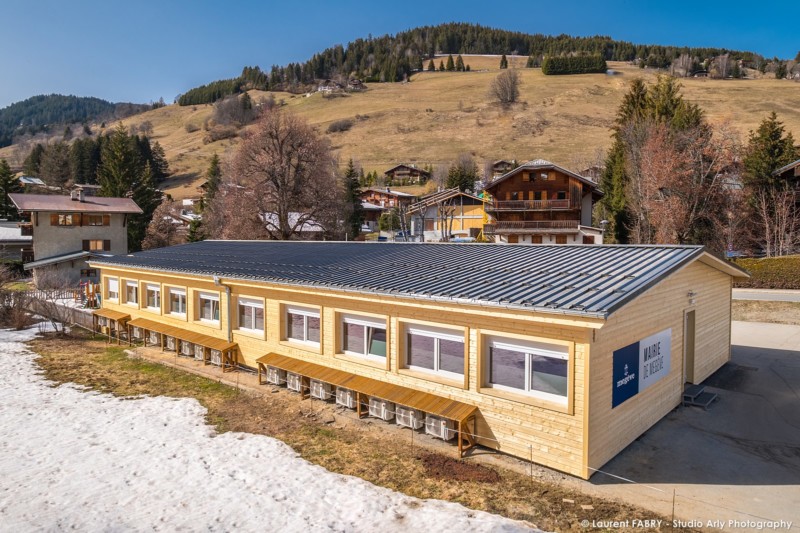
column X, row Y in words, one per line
column 626, row 374
column 639, row 365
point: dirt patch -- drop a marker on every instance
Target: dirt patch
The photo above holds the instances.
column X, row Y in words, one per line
column 762, row 311
column 318, row 433
column 438, row 466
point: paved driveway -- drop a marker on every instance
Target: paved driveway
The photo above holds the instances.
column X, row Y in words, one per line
column 738, row 461
column 766, row 295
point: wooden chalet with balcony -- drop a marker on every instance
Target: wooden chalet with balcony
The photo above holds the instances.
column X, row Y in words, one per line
column 542, row 203
column 407, row 175
column 387, row 198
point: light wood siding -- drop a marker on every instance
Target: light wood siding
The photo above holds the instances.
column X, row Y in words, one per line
column 662, row 307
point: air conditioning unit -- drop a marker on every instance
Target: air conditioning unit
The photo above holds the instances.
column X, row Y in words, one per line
column 409, row 418
column 346, row 397
column 169, row 343
column 216, row 357
column 187, row 348
column 441, row 428
column 136, row 333
column 381, row 409
column 294, row 382
column 199, row 352
column 321, row 390
column 154, row 338
column 102, row 321
column 276, row 376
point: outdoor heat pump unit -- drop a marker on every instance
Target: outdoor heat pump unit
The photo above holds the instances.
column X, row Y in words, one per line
column 199, row 352
column 410, row 418
column 276, row 376
column 216, row 357
column 441, row 428
column 381, row 409
column 346, row 397
column 294, row 382
column 154, row 338
column 169, row 343
column 136, row 333
column 321, row 390
column 187, row 348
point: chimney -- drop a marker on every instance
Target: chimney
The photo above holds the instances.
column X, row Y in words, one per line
column 80, row 195
column 73, row 195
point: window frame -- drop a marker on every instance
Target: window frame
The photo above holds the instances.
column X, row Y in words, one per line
column 367, row 323
column 177, row 291
column 252, row 303
column 66, row 219
column 529, row 348
column 438, row 334
column 306, row 313
column 155, row 287
column 212, row 297
column 109, row 291
column 91, row 222
column 135, row 285
column 94, row 242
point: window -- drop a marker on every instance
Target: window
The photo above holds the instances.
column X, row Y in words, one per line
column 96, row 245
column 526, row 176
column 302, row 325
column 561, row 239
column 113, row 288
column 251, row 314
column 209, row 307
column 515, row 195
column 364, row 336
column 561, row 195
column 536, row 239
column 538, row 195
column 94, row 220
column 152, row 297
column 132, row 292
column 88, row 273
column 177, row 301
column 66, row 220
column 536, row 369
column 435, row 350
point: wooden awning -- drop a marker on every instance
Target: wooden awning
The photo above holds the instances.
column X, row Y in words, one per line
column 422, row 401
column 183, row 334
column 112, row 315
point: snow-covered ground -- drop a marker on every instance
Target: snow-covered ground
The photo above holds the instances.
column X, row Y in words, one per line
column 73, row 459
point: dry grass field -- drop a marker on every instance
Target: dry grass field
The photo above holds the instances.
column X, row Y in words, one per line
column 438, row 115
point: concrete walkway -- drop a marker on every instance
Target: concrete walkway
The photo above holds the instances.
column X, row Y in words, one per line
column 767, row 295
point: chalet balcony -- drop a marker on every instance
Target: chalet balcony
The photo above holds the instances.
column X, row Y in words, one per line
column 532, row 226
column 532, row 205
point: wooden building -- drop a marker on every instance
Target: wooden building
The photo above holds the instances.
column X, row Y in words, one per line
column 407, row 175
column 387, row 198
column 447, row 214
column 562, row 354
column 542, row 203
column 502, row 166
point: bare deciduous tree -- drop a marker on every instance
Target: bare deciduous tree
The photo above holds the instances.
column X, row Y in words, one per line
column 291, row 171
column 779, row 220
column 164, row 229
column 505, row 87
column 13, row 303
column 50, row 302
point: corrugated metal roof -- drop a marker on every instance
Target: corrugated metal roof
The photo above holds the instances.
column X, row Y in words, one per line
column 52, row 202
column 583, row 280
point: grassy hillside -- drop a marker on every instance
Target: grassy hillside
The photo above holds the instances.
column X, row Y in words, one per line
column 436, row 116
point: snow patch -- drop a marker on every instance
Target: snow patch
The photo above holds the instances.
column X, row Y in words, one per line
column 71, row 459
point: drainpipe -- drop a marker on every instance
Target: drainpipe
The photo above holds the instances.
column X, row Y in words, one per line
column 219, row 283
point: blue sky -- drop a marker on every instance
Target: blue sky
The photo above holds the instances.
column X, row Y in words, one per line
column 142, row 50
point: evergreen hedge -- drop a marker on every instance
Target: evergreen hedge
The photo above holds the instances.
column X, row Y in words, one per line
column 586, row 64
column 772, row 272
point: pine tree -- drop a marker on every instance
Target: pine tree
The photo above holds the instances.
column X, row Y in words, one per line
column 213, row 179
column 503, row 62
column 431, row 66
column 441, row 66
column 466, row 69
column 769, row 148
column 159, row 162
column 353, row 200
column 8, row 184
column 67, row 133
column 32, row 163
column 195, row 233
column 450, row 65
column 460, row 63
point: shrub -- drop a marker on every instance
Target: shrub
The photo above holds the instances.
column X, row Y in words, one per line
column 191, row 128
column 217, row 133
column 340, row 125
column 573, row 65
column 772, row 272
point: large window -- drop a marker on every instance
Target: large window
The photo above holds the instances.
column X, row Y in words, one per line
column 302, row 325
column 132, row 292
column 537, row 369
column 208, row 308
column 94, row 220
column 152, row 296
column 177, row 301
column 251, row 314
column 435, row 350
column 363, row 336
column 65, row 220
column 113, row 289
